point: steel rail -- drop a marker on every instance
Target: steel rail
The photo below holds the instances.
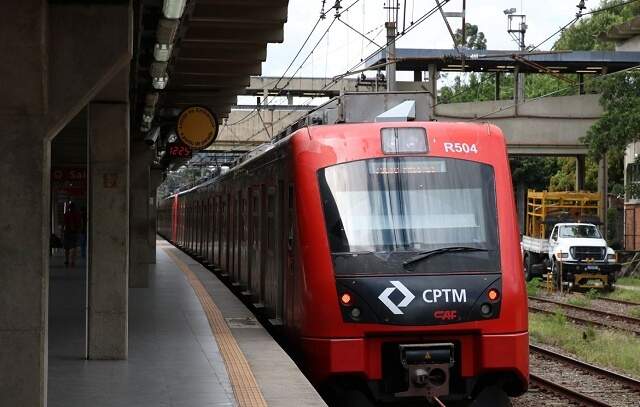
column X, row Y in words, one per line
column 624, row 302
column 610, row 315
column 629, row 381
column 572, row 394
column 583, row 321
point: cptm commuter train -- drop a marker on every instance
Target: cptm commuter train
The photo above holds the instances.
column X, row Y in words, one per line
column 388, row 254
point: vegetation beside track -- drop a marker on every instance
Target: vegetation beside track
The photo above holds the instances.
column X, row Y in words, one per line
column 603, row 347
column 630, row 281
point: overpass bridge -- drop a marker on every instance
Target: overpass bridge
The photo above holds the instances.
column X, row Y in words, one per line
column 548, row 126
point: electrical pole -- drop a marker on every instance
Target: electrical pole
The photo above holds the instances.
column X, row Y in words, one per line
column 517, row 28
column 392, row 26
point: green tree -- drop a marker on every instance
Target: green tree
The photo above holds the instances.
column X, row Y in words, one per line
column 474, row 38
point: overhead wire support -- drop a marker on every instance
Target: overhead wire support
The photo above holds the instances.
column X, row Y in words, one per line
column 358, row 32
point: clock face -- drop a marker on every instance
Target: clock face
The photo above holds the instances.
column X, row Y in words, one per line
column 197, row 127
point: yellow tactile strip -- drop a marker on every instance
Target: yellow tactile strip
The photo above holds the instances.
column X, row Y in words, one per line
column 245, row 387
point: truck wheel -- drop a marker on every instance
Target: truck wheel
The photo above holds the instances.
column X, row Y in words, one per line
column 556, row 274
column 528, row 274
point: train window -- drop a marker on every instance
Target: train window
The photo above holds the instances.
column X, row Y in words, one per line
column 415, row 204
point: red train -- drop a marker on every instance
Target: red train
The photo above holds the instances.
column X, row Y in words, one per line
column 387, row 252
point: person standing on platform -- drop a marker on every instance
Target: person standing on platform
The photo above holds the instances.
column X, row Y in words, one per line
column 72, row 227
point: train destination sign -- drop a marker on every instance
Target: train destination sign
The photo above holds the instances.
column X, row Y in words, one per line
column 197, row 127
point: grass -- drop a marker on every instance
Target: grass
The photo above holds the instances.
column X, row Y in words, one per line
column 580, row 301
column 624, row 295
column 635, row 282
column 602, row 347
column 533, row 287
column 635, row 312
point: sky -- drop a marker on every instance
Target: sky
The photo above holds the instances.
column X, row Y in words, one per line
column 342, row 48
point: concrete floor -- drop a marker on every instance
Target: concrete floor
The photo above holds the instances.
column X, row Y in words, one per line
column 173, row 357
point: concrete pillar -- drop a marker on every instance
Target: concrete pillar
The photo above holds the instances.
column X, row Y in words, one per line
column 55, row 57
column 433, row 83
column 24, row 206
column 142, row 245
column 108, row 230
column 580, row 172
column 518, row 89
column 155, row 181
column 24, row 274
column 602, row 189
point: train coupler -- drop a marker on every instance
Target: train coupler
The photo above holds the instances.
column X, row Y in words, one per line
column 428, row 367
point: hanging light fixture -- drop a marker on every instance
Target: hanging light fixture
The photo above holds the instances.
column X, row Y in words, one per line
column 173, row 8
column 159, row 82
column 162, row 52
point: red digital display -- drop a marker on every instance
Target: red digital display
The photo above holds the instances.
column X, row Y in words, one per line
column 178, row 150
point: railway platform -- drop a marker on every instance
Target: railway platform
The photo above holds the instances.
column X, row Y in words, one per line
column 191, row 343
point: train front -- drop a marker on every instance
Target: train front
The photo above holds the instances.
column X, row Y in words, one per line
column 412, row 279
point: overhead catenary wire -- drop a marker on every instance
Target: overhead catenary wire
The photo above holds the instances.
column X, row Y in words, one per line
column 337, row 15
column 354, row 70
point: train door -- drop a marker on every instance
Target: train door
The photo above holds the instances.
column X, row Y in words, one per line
column 233, row 199
column 280, row 251
column 210, row 226
column 216, row 233
column 196, row 224
column 188, row 228
column 223, row 232
column 237, row 241
column 244, row 235
column 290, row 277
column 255, row 250
column 207, row 222
column 269, row 273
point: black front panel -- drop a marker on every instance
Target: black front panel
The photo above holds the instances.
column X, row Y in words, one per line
column 420, row 299
column 588, row 252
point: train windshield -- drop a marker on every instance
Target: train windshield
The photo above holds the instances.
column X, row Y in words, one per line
column 406, row 205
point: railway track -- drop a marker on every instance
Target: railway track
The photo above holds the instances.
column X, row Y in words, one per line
column 623, row 302
column 586, row 316
column 581, row 382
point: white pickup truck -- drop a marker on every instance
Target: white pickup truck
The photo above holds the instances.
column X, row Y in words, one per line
column 576, row 254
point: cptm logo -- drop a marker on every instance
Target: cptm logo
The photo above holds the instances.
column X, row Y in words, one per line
column 408, row 297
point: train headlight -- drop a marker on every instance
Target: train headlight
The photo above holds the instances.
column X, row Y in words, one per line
column 402, row 140
column 355, row 313
column 345, row 299
column 493, row 294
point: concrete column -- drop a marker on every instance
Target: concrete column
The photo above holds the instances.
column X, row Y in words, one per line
column 433, row 83
column 580, row 174
column 518, row 90
column 602, row 189
column 108, row 230
column 24, row 207
column 155, row 181
column 142, row 245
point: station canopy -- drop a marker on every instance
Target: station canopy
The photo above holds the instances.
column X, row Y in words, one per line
column 467, row 60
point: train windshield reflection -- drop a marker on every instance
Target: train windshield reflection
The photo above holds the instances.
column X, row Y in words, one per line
column 408, row 204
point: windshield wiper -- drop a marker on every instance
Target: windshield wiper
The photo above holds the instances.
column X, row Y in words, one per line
column 354, row 253
column 426, row 254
